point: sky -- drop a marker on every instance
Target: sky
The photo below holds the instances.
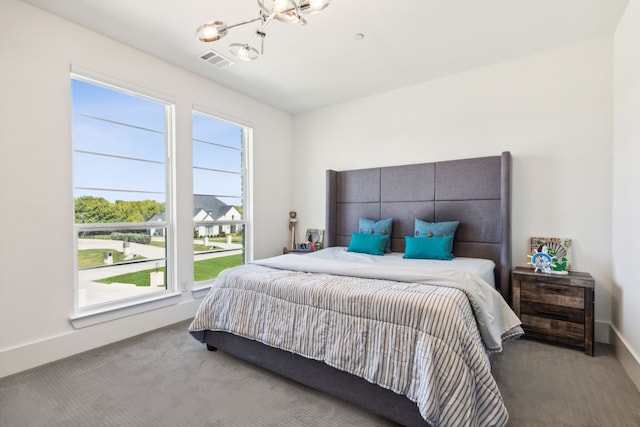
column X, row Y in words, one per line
column 124, row 148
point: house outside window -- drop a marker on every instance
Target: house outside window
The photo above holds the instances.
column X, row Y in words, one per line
column 220, row 184
column 121, row 140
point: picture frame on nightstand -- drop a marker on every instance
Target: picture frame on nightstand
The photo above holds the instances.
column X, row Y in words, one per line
column 314, row 238
column 558, row 250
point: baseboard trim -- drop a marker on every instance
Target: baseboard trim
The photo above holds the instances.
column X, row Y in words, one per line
column 33, row 354
column 628, row 358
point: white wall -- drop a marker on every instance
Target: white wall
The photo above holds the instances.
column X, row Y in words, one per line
column 36, row 235
column 626, row 188
column 552, row 111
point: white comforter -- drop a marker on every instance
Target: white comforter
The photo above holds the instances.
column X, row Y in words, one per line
column 414, row 338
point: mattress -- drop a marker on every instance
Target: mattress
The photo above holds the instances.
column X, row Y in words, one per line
column 483, row 268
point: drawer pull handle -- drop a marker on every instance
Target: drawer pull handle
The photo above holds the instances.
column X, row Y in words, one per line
column 554, row 288
column 549, row 313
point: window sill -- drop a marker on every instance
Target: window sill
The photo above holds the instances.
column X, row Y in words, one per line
column 200, row 292
column 94, row 316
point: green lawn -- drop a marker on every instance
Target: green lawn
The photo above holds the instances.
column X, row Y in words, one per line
column 234, row 239
column 95, row 257
column 203, row 270
column 210, row 268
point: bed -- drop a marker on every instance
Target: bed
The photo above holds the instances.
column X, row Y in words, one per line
column 369, row 347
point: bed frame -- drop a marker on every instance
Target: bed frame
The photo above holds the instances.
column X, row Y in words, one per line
column 476, row 192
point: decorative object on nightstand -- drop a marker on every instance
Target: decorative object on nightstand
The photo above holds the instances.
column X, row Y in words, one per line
column 542, row 260
column 292, row 226
column 550, row 254
column 313, row 242
column 314, row 238
column 555, row 308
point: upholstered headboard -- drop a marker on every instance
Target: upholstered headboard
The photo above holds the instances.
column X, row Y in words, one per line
column 476, row 192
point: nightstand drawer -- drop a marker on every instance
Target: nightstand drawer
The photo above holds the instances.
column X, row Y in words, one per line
column 557, row 330
column 575, row 315
column 550, row 294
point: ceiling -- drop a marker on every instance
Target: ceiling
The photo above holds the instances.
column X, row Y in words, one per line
column 304, row 68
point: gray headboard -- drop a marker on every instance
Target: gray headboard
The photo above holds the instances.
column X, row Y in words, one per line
column 476, row 192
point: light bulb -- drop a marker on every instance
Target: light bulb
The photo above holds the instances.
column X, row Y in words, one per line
column 210, row 32
column 280, row 6
column 314, row 6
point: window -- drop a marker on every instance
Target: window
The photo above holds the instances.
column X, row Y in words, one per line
column 219, row 195
column 121, row 142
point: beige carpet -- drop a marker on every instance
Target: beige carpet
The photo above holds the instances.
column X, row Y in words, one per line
column 166, row 378
column 545, row 385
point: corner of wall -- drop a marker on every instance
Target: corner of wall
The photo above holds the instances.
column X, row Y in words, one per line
column 602, row 331
column 629, row 360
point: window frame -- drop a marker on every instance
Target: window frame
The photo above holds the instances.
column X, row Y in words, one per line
column 247, row 194
column 95, row 313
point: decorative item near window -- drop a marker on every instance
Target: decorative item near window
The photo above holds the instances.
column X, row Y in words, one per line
column 550, row 254
column 288, row 11
column 292, row 226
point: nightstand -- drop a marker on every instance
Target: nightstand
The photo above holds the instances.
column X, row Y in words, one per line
column 296, row 251
column 555, row 307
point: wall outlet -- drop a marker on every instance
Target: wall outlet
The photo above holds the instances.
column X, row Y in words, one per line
column 184, row 285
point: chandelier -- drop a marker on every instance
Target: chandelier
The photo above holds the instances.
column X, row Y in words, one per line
column 288, row 11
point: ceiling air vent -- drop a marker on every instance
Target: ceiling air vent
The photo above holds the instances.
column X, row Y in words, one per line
column 216, row 59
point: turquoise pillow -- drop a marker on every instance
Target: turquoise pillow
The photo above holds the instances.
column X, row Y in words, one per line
column 436, row 247
column 372, row 244
column 429, row 229
column 382, row 227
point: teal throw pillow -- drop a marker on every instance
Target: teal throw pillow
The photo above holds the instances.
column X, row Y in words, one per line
column 436, row 247
column 382, row 227
column 429, row 229
column 372, row 244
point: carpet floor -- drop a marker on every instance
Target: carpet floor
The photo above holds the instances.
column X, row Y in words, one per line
column 166, row 378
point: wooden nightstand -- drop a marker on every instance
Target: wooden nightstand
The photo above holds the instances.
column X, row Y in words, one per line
column 555, row 307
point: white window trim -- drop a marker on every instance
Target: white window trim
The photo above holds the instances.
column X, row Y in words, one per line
column 201, row 291
column 94, row 314
column 201, row 288
column 98, row 78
